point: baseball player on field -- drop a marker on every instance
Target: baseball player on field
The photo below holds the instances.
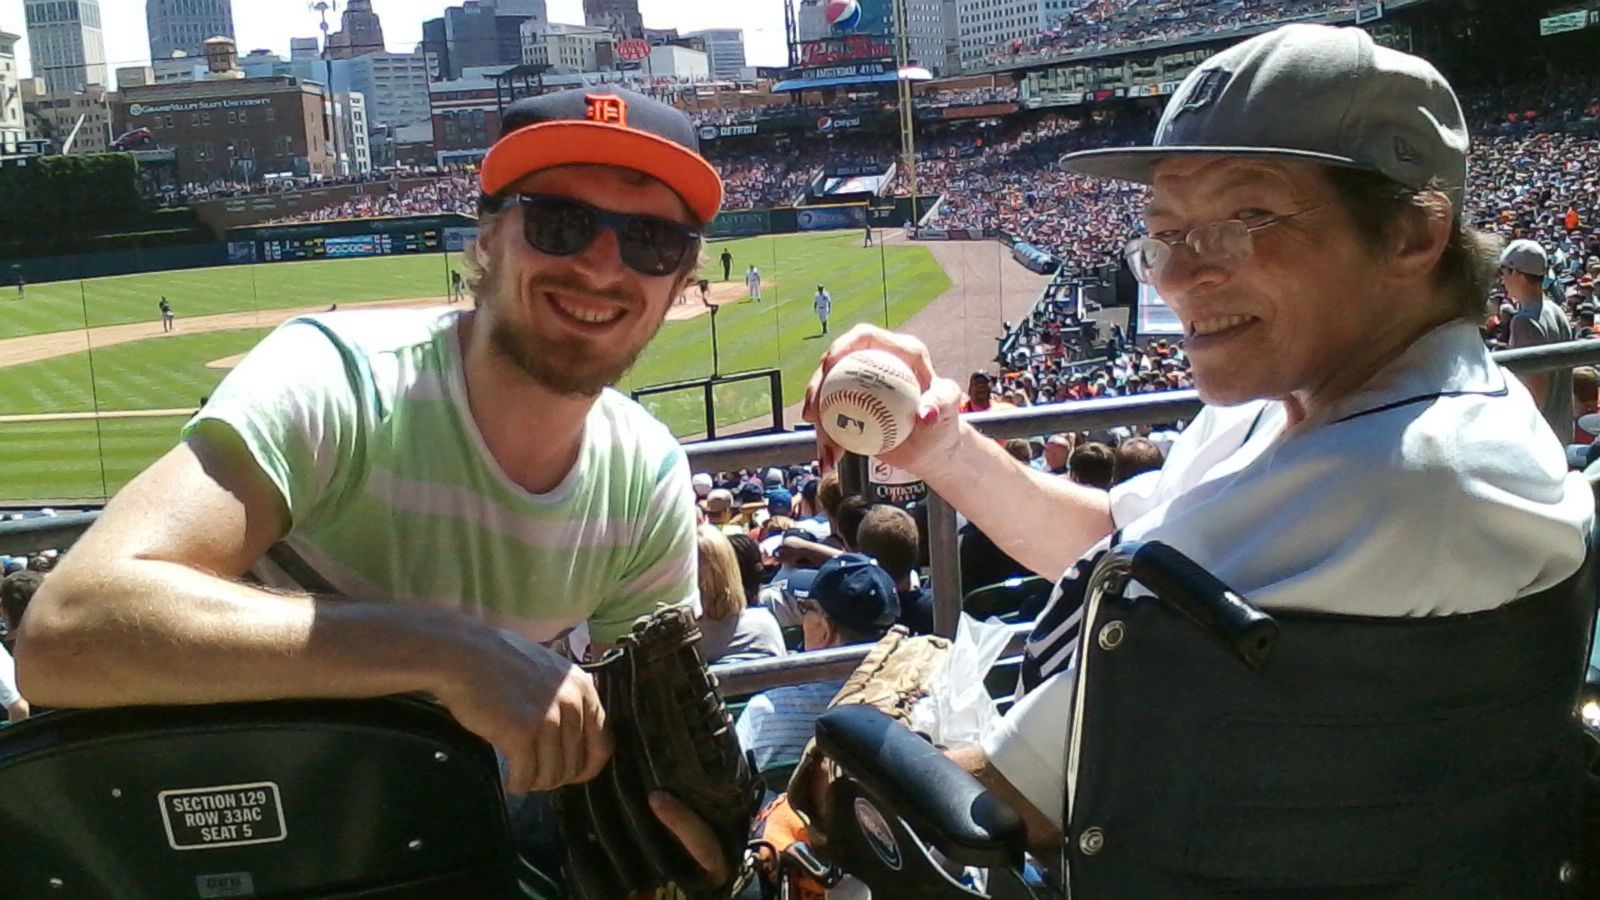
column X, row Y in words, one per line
column 752, row 280
column 822, row 303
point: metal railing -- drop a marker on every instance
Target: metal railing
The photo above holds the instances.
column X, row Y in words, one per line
column 29, row 535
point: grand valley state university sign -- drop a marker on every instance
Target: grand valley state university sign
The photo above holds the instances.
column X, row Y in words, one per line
column 139, row 109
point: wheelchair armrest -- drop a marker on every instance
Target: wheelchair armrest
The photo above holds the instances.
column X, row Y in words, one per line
column 936, row 798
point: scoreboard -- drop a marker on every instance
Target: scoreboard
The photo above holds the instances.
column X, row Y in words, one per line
column 350, row 246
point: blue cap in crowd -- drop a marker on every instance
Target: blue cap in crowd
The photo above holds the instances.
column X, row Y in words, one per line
column 856, row 592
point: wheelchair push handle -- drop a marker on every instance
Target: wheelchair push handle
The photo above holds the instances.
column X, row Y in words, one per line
column 1180, row 582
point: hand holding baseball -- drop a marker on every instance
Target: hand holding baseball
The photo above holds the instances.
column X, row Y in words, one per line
column 933, row 418
column 869, row 401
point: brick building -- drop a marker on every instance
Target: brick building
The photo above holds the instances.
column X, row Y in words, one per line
column 237, row 130
column 466, row 117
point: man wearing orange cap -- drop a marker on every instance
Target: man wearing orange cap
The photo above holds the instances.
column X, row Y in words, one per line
column 434, row 498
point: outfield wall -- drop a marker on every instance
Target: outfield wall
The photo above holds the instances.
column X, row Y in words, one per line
column 257, row 243
column 116, row 262
column 822, row 217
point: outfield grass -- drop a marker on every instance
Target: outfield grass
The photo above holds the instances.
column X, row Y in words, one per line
column 782, row 331
column 69, row 305
column 62, row 459
column 160, row 373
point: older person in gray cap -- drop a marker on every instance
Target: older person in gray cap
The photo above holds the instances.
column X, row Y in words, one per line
column 1305, row 225
column 1538, row 320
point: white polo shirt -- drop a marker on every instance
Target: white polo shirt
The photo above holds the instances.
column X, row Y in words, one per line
column 9, row 695
column 1436, row 489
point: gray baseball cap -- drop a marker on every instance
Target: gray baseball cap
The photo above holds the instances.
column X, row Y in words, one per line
column 1310, row 92
column 1526, row 257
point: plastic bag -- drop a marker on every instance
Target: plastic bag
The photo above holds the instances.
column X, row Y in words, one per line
column 958, row 708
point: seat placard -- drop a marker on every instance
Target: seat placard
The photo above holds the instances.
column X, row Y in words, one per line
column 228, row 815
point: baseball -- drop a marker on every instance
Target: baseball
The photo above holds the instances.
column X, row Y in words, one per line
column 868, row 402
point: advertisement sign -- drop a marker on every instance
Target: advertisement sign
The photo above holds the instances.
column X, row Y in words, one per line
column 136, row 110
column 828, row 123
column 1055, row 98
column 883, row 216
column 1572, row 21
column 952, row 234
column 859, row 16
column 712, row 132
column 853, row 70
column 241, row 251
column 856, row 171
column 896, row 487
column 740, row 223
column 357, row 245
column 633, row 49
column 852, row 48
column 1369, row 12
column 825, row 218
column 982, row 111
column 456, row 240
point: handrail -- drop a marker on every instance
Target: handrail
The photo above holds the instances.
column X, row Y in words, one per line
column 28, row 535
column 740, row 679
column 20, row 536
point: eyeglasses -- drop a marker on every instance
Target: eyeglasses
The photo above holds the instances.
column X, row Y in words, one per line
column 561, row 226
column 807, row 605
column 1226, row 241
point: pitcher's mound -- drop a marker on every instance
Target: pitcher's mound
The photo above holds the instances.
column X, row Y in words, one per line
column 720, row 293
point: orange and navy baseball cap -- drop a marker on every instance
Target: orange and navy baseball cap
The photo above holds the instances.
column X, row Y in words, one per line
column 602, row 126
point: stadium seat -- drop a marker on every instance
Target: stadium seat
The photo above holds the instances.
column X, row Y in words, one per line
column 323, row 800
column 1021, row 598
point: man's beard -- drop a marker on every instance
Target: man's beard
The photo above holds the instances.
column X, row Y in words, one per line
column 564, row 364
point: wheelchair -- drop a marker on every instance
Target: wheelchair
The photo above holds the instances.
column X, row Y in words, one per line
column 1223, row 752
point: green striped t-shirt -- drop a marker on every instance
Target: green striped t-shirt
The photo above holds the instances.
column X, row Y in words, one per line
column 361, row 421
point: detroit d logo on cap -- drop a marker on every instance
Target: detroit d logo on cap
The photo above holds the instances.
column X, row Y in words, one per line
column 606, row 109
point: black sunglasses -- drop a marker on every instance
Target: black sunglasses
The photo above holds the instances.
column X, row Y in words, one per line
column 561, row 226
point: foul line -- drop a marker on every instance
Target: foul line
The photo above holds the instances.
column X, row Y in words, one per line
column 109, row 414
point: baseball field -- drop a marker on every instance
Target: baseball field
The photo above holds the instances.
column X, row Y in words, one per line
column 92, row 389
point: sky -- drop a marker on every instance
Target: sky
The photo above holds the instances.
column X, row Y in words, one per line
column 270, row 24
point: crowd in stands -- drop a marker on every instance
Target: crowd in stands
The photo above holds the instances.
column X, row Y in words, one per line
column 223, row 189
column 759, row 182
column 1012, row 183
column 451, row 194
column 730, row 116
column 1100, row 25
column 968, row 96
column 20, row 577
column 781, row 171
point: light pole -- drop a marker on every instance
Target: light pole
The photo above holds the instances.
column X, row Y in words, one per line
column 323, row 7
column 908, row 122
column 716, row 365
